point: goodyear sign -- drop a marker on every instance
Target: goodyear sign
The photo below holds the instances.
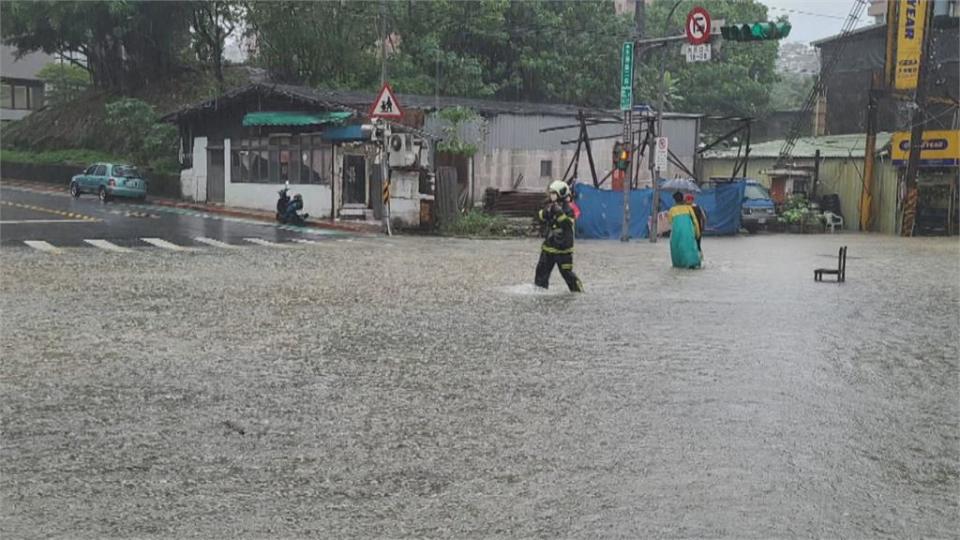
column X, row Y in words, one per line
column 940, row 148
column 910, row 27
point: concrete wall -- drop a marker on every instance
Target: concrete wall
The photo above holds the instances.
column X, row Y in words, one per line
column 842, row 176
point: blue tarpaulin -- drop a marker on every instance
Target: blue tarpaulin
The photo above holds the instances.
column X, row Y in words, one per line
column 602, row 211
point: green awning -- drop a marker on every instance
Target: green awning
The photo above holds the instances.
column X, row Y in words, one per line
column 279, row 118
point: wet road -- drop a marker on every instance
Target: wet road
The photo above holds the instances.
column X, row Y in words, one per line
column 28, row 215
column 420, row 387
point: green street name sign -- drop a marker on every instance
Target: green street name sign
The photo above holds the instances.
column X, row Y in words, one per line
column 626, row 76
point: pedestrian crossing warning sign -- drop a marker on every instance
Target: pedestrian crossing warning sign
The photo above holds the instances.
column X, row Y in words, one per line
column 386, row 105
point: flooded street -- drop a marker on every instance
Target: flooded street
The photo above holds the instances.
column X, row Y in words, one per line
column 421, row 387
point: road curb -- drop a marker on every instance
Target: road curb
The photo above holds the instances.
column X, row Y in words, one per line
column 212, row 209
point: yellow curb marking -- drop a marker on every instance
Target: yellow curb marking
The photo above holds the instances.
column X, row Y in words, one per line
column 50, row 211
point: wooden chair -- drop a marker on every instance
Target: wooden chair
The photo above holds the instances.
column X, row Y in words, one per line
column 840, row 272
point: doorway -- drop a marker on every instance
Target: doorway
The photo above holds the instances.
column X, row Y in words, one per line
column 355, row 180
column 215, row 180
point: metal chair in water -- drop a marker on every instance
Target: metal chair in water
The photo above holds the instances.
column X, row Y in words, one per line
column 840, row 272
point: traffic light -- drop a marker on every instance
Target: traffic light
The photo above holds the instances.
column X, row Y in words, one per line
column 760, row 31
column 621, row 157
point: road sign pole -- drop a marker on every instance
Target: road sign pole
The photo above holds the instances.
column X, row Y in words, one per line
column 626, row 105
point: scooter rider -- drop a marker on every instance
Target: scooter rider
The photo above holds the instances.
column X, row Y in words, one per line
column 557, row 249
column 290, row 215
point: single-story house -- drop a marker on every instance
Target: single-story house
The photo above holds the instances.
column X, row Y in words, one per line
column 239, row 148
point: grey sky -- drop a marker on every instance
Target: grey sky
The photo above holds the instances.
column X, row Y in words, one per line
column 813, row 19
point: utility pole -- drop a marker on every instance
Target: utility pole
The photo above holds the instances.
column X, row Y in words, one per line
column 384, row 144
column 916, row 129
column 639, row 15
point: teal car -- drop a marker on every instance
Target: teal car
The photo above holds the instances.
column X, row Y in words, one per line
column 109, row 180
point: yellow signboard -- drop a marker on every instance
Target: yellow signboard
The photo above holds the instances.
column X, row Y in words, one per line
column 940, row 148
column 910, row 27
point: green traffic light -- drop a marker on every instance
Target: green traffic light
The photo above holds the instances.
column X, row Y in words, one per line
column 761, row 31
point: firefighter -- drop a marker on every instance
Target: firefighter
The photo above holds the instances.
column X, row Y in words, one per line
column 559, row 218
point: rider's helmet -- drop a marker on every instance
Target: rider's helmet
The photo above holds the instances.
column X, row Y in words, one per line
column 297, row 197
column 560, row 188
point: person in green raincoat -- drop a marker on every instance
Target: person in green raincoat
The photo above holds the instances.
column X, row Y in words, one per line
column 684, row 230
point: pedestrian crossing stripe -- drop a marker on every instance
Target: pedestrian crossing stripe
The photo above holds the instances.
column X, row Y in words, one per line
column 71, row 215
column 108, row 246
column 161, row 243
column 262, row 242
column 42, row 246
column 216, row 243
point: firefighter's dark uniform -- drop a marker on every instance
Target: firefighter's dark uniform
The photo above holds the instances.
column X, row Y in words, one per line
column 557, row 249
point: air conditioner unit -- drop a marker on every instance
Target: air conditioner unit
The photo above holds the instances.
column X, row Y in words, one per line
column 402, row 151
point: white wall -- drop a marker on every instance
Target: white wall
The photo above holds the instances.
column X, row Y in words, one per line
column 404, row 194
column 193, row 181
column 316, row 198
column 405, row 198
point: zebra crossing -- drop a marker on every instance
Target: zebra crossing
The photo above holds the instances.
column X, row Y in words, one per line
column 208, row 244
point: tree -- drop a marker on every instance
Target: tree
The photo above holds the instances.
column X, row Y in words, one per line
column 790, row 91
column 526, row 51
column 124, row 44
column 737, row 83
column 64, row 81
column 212, row 22
column 328, row 44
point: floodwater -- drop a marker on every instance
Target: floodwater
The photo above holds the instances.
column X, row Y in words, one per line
column 421, row 387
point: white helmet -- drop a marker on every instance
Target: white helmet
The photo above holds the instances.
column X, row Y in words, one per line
column 560, row 188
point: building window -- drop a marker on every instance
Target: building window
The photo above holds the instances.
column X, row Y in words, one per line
column 6, row 96
column 36, row 97
column 20, row 97
column 298, row 159
column 546, row 168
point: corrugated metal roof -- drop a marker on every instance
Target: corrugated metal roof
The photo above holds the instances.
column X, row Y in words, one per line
column 834, row 146
column 339, row 99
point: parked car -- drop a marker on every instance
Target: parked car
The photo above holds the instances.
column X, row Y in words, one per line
column 109, row 180
column 757, row 209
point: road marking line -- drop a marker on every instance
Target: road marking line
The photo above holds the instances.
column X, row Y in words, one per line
column 48, row 210
column 161, row 243
column 42, row 246
column 29, row 221
column 262, row 242
column 308, row 242
column 215, row 243
column 108, row 246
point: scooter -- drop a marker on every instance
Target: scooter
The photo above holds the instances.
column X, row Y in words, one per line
column 283, row 204
column 283, row 201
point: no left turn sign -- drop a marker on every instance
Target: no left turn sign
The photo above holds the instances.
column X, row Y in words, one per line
column 698, row 26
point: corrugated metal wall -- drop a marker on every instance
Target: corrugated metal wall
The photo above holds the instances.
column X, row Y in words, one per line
column 840, row 176
column 512, row 145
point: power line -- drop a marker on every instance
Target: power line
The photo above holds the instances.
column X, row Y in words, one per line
column 798, row 12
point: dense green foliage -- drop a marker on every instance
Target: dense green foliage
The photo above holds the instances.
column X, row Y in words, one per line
column 737, row 81
column 790, row 91
column 534, row 50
